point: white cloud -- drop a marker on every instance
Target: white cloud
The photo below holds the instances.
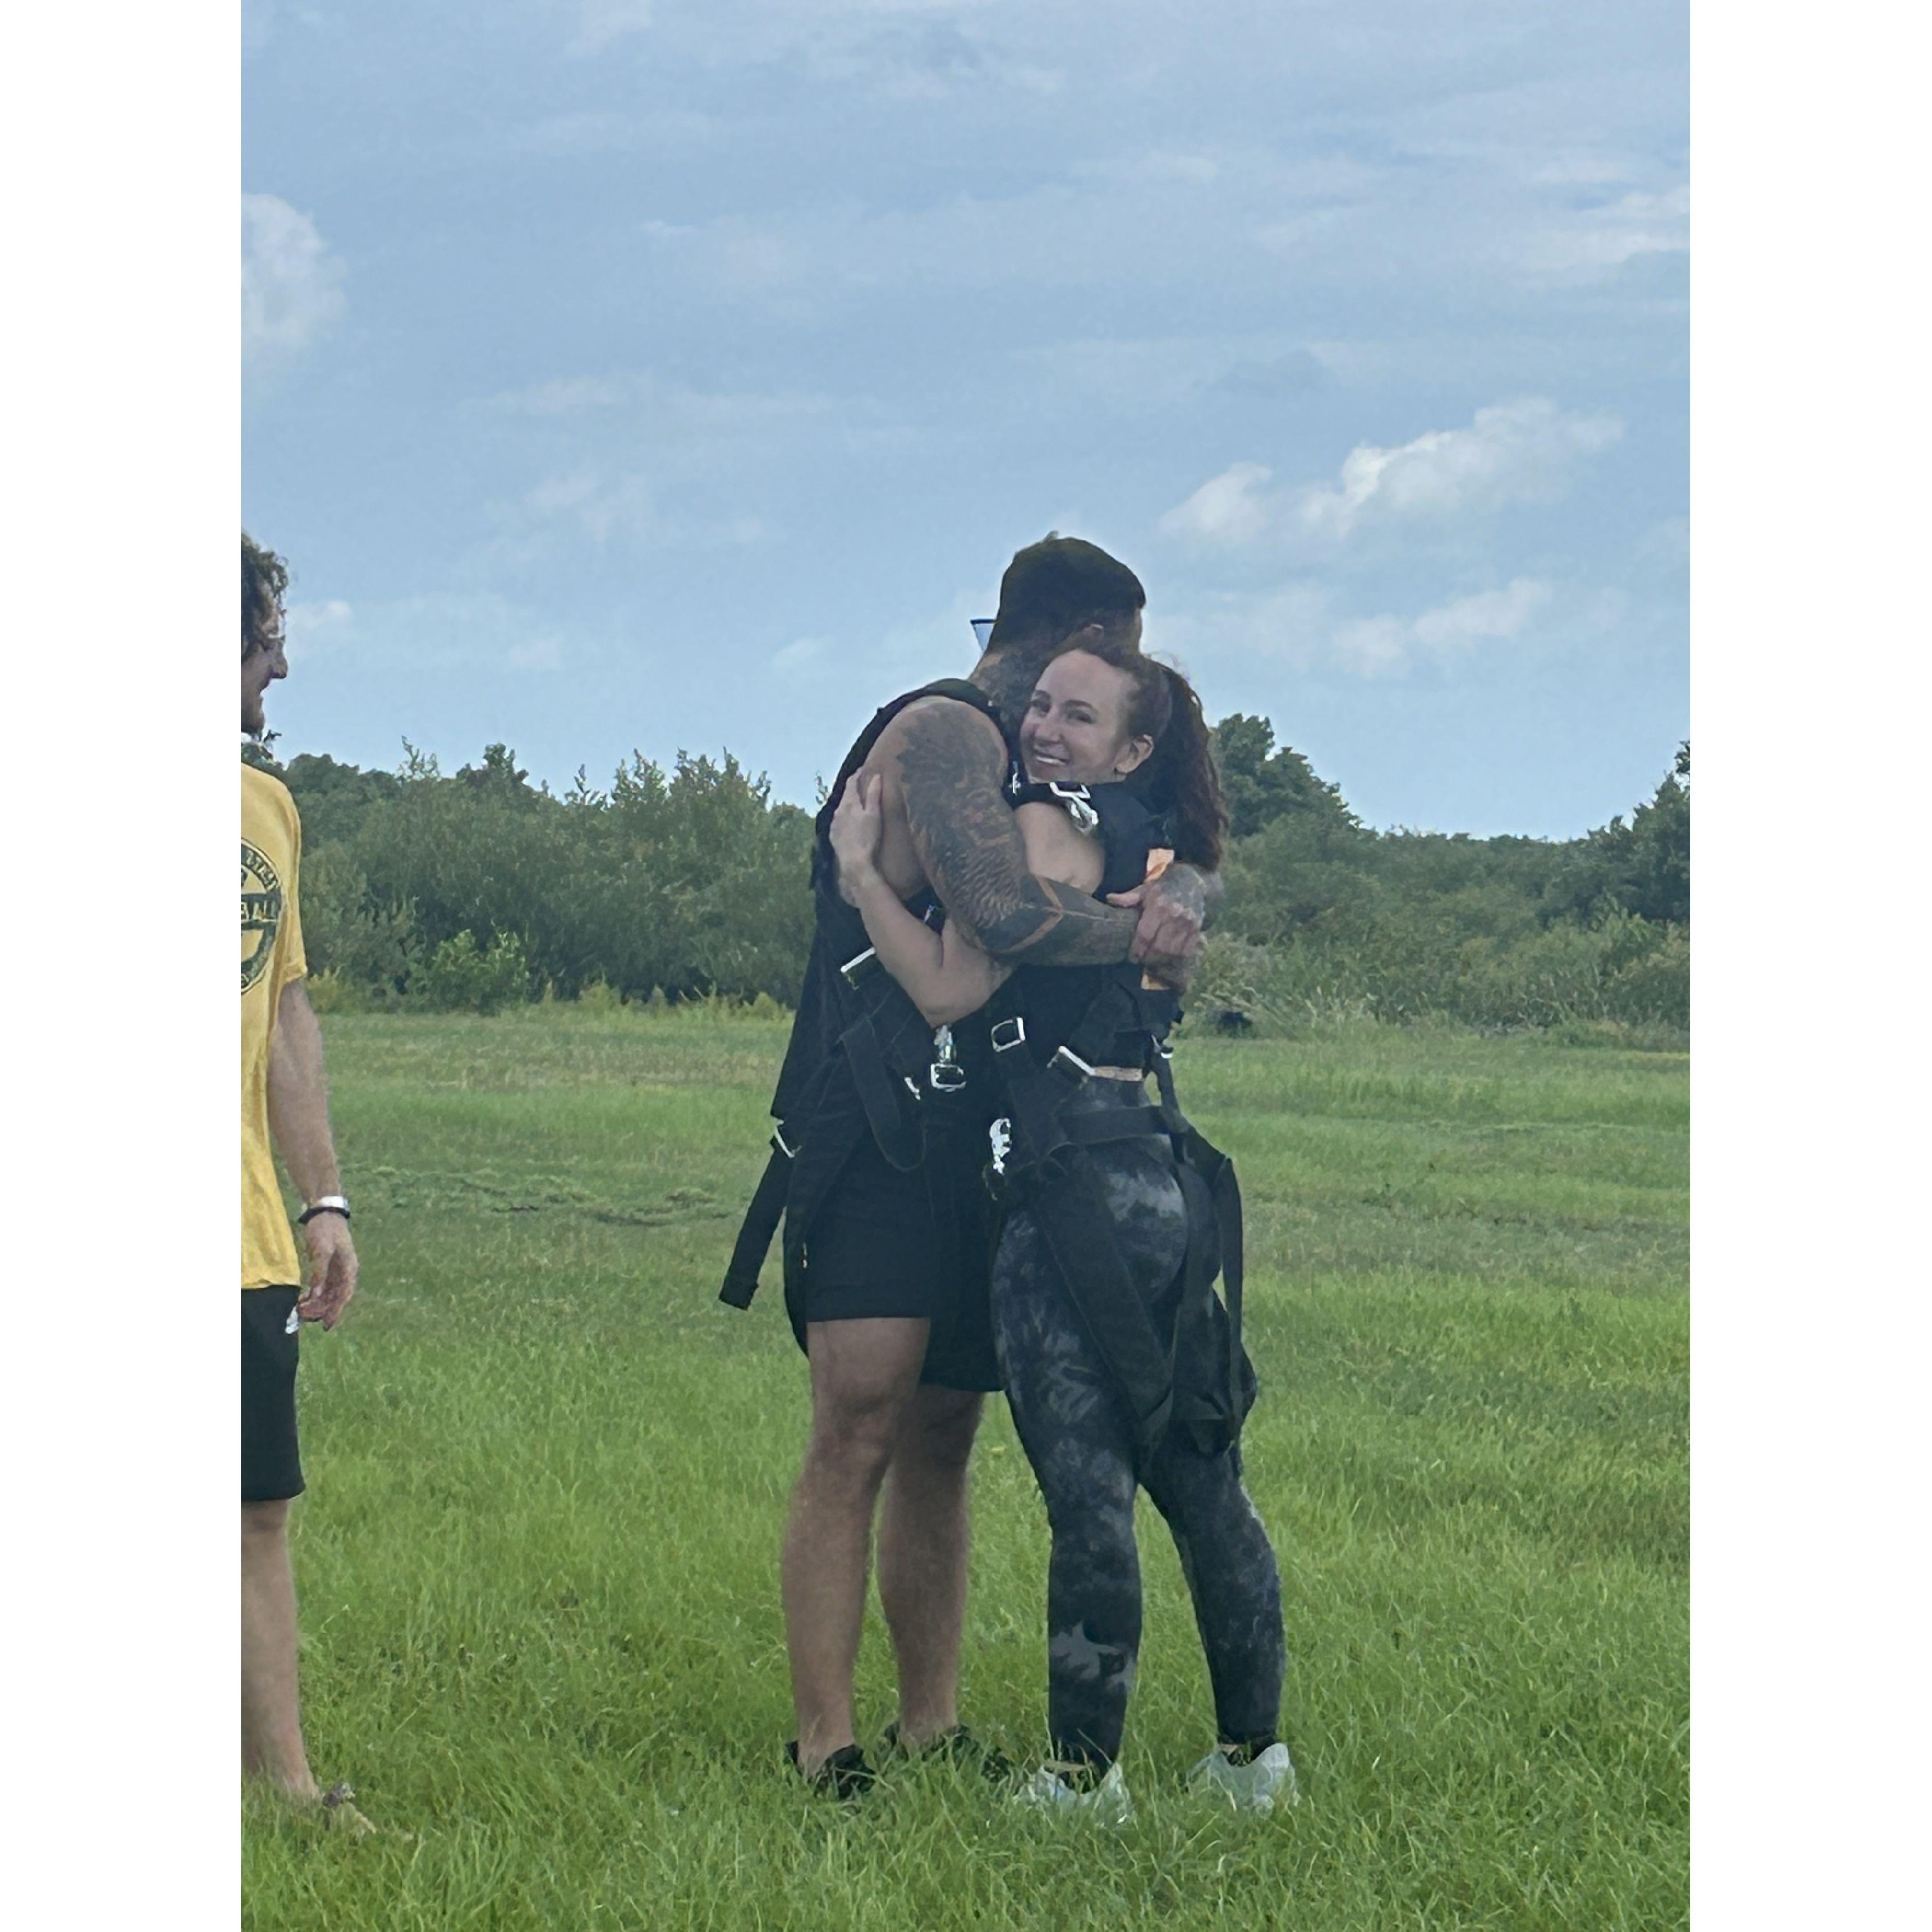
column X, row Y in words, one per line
column 1230, row 509
column 319, row 626
column 1599, row 239
column 626, row 509
column 291, row 283
column 799, row 659
column 1519, row 452
column 1299, row 627
column 1510, row 452
column 1487, row 614
column 446, row 630
column 539, row 654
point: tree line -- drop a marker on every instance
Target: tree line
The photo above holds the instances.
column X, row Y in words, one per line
column 477, row 889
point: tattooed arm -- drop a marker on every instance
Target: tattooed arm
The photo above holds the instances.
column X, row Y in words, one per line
column 948, row 769
column 1173, row 909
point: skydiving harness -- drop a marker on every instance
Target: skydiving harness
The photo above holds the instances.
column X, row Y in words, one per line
column 884, row 1092
column 1197, row 1378
column 862, row 1061
column 888, row 1075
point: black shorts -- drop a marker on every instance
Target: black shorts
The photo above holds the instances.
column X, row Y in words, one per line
column 878, row 1247
column 271, row 1459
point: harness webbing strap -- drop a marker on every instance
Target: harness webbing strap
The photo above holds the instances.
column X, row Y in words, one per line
column 754, row 1236
column 1117, row 1123
column 884, row 1101
column 1070, row 1205
column 1213, row 1174
column 1055, row 1175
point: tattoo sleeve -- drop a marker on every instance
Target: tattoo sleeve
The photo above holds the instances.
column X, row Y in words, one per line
column 1201, row 891
column 950, row 773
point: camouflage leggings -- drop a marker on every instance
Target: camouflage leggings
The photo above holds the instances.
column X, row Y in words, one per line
column 1075, row 1435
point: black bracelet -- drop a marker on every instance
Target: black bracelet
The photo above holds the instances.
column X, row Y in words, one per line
column 308, row 1214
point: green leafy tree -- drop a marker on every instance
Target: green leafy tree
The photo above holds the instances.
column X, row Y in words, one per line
column 1263, row 783
column 1642, row 868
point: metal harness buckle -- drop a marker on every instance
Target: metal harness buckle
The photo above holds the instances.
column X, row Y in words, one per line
column 1069, row 1063
column 946, row 1073
column 1008, row 1033
column 1079, row 804
column 853, row 969
column 778, row 1141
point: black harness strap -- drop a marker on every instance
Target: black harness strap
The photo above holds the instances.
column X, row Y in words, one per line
column 1055, row 1175
column 760, row 1223
column 882, row 1097
column 1207, row 1175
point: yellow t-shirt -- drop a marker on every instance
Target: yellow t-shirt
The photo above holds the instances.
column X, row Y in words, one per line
column 272, row 955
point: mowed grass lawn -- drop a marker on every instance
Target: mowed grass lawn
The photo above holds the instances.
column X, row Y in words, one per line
column 548, row 1472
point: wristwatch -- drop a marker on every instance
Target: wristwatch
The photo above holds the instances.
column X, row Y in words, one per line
column 323, row 1203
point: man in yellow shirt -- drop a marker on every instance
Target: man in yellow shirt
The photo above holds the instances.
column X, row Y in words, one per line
column 284, row 1101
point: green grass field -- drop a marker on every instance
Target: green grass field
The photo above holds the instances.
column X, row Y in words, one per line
column 548, row 1473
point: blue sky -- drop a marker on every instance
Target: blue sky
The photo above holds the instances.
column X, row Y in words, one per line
column 648, row 376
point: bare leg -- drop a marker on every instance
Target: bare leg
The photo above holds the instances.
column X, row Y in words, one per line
column 271, row 1738
column 922, row 1551
column 864, row 1374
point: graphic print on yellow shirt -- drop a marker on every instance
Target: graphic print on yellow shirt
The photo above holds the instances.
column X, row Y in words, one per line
column 271, row 956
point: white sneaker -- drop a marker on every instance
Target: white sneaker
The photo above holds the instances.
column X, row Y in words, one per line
column 1252, row 1787
column 1107, row 1802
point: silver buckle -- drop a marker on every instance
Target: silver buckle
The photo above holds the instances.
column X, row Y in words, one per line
column 1079, row 804
column 1001, row 1133
column 778, row 1141
column 1081, row 1071
column 1008, row 1033
column 946, row 1073
column 850, row 968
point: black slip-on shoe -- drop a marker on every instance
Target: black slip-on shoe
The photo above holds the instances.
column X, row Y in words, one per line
column 959, row 1747
column 844, row 1775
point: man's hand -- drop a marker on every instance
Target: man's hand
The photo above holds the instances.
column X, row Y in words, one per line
column 332, row 1270
column 1173, row 909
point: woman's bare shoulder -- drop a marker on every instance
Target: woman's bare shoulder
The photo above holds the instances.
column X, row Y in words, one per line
column 1056, row 848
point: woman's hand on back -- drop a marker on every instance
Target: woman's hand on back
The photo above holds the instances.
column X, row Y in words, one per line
column 857, row 825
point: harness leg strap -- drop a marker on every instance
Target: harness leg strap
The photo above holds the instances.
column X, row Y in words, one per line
column 755, row 1234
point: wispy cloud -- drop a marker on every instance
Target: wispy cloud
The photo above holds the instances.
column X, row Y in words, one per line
column 1228, row 510
column 1376, row 646
column 601, row 22
column 1517, row 451
column 1304, row 627
column 1595, row 241
column 1526, row 450
column 625, row 509
column 445, row 629
column 292, row 291
column 319, row 625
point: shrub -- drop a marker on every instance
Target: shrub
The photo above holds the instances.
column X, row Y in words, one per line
column 463, row 977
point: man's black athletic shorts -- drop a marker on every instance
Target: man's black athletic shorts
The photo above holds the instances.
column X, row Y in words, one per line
column 271, row 1459
column 878, row 1247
